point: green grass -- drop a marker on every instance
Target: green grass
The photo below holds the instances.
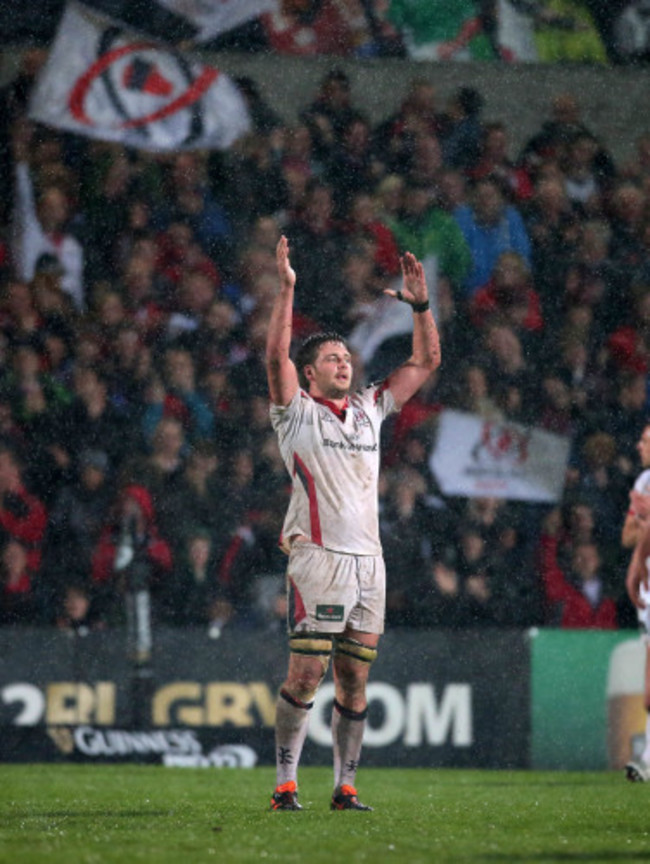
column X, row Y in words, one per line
column 125, row 814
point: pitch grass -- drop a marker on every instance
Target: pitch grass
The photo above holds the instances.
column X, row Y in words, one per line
column 94, row 814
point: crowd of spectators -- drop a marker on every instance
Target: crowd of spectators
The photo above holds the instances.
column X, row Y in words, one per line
column 135, row 291
column 502, row 31
column 505, row 31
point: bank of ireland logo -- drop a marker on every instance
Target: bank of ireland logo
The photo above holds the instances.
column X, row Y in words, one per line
column 134, row 84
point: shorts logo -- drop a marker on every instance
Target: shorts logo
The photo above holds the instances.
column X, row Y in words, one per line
column 329, row 613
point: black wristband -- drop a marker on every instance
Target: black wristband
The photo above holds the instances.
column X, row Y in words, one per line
column 420, row 307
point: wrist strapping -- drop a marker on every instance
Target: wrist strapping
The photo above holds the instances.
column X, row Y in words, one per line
column 416, row 307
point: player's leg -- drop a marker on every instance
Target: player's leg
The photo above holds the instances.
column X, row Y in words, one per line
column 354, row 653
column 308, row 662
column 638, row 771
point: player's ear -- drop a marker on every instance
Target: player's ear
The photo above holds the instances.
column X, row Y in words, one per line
column 309, row 372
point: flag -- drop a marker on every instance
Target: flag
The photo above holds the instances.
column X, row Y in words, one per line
column 213, row 17
column 515, row 33
column 475, row 458
column 106, row 82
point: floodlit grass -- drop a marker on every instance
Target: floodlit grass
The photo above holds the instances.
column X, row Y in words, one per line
column 96, row 814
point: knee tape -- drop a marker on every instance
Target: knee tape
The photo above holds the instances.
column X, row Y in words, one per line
column 312, row 645
column 349, row 714
column 356, row 650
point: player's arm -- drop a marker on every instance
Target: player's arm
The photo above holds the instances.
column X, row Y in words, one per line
column 636, row 519
column 280, row 369
column 425, row 358
column 630, row 532
column 637, row 571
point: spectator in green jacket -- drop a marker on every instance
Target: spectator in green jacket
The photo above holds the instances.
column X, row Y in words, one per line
column 426, row 230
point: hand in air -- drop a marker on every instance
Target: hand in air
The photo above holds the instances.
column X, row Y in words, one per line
column 285, row 271
column 414, row 285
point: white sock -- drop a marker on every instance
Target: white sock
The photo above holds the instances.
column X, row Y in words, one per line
column 347, row 737
column 646, row 750
column 291, row 722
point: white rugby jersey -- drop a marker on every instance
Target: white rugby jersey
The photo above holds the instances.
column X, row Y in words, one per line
column 334, row 466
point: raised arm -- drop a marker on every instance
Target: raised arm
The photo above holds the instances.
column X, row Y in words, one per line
column 280, row 370
column 425, row 357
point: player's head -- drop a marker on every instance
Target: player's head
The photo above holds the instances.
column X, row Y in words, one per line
column 324, row 365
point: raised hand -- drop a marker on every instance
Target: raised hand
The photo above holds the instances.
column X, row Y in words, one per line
column 414, row 285
column 285, row 271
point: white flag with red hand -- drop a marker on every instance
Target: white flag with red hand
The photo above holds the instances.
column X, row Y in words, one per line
column 106, row 82
column 474, row 457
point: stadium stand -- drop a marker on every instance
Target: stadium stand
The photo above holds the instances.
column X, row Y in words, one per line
column 135, row 360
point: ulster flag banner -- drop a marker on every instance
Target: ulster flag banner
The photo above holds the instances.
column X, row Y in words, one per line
column 474, row 457
column 174, row 21
column 213, row 17
column 106, row 82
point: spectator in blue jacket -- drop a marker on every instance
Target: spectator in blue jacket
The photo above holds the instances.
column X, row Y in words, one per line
column 490, row 226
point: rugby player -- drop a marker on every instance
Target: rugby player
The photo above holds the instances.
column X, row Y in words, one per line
column 329, row 440
column 635, row 535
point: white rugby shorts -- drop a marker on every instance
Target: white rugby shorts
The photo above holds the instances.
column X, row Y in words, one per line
column 331, row 591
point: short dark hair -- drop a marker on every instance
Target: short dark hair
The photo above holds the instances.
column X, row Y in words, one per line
column 308, row 351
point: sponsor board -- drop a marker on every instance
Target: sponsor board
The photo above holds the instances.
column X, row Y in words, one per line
column 586, row 699
column 173, row 748
column 435, row 698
